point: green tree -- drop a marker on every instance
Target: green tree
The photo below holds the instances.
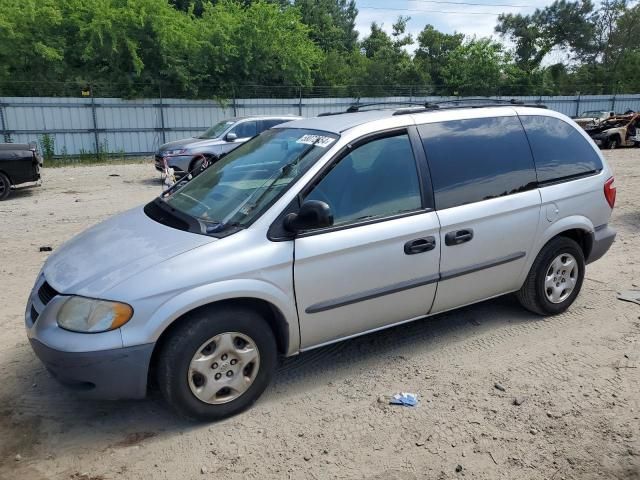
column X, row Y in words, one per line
column 477, row 67
column 256, row 45
column 332, row 23
column 433, row 51
column 388, row 63
column 562, row 24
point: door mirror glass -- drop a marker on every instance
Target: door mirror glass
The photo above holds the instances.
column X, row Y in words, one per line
column 231, row 137
column 312, row 214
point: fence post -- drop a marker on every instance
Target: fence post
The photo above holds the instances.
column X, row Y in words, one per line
column 95, row 121
column 235, row 107
column 300, row 101
column 3, row 125
column 162, row 129
column 613, row 103
column 578, row 105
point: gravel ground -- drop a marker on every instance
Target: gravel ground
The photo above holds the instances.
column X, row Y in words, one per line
column 577, row 376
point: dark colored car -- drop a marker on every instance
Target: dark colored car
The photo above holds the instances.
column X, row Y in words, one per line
column 19, row 163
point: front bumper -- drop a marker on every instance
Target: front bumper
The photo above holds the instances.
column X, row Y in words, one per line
column 179, row 163
column 107, row 374
column 94, row 364
column 603, row 238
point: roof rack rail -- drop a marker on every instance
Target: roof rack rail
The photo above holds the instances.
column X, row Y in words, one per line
column 467, row 103
column 417, row 107
column 357, row 106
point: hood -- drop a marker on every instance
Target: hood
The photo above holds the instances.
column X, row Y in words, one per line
column 114, row 250
column 192, row 143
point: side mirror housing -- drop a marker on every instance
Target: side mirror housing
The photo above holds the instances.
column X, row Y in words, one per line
column 231, row 137
column 312, row 214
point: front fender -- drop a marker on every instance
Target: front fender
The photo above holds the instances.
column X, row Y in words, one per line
column 551, row 230
column 175, row 307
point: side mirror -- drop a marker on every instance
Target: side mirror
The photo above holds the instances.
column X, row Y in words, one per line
column 231, row 137
column 312, row 214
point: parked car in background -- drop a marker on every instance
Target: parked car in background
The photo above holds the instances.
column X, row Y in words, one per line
column 592, row 117
column 617, row 131
column 317, row 231
column 19, row 163
column 188, row 154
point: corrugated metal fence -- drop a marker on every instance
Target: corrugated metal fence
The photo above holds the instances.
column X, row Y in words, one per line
column 137, row 127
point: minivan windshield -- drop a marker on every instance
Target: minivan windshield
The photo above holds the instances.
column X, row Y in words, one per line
column 216, row 130
column 239, row 187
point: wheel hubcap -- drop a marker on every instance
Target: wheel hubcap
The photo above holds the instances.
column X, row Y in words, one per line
column 223, row 368
column 561, row 278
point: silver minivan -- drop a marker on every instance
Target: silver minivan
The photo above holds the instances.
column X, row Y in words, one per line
column 317, row 231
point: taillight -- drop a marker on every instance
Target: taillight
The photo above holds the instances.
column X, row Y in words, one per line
column 610, row 192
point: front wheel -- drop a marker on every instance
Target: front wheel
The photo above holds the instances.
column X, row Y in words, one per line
column 217, row 363
column 555, row 278
column 5, row 186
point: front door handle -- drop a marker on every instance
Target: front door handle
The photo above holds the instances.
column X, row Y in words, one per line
column 419, row 245
column 458, row 237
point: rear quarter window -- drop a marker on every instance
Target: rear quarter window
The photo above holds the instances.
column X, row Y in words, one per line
column 559, row 150
column 477, row 159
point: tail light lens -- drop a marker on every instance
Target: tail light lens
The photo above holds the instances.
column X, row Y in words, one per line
column 610, row 192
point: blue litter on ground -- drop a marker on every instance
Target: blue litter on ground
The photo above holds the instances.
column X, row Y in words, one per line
column 404, row 398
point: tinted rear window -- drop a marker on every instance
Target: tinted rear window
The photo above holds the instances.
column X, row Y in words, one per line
column 560, row 151
column 477, row 159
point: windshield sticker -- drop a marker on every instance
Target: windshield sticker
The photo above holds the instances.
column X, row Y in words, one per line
column 318, row 140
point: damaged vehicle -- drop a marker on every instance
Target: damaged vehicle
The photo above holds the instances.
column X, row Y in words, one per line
column 317, row 231
column 19, row 163
column 617, row 131
column 592, row 117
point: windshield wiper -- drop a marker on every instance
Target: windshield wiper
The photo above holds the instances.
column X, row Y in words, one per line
column 283, row 171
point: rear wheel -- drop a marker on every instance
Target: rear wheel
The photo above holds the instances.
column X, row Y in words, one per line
column 555, row 278
column 5, row 186
column 217, row 363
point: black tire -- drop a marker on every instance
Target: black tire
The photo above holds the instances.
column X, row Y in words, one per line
column 533, row 295
column 179, row 349
column 196, row 165
column 613, row 143
column 5, row 186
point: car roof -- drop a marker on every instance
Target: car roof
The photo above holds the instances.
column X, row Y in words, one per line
column 15, row 146
column 339, row 123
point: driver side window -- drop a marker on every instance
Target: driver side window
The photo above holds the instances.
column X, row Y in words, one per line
column 377, row 179
column 245, row 130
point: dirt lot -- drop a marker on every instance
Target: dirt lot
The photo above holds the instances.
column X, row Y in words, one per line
column 578, row 375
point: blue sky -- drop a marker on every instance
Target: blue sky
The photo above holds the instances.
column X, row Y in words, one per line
column 478, row 20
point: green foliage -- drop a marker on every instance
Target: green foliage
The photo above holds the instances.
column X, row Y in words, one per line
column 476, row 67
column 433, row 51
column 47, row 146
column 224, row 48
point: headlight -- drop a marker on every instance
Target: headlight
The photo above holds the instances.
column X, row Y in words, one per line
column 88, row 315
column 182, row 151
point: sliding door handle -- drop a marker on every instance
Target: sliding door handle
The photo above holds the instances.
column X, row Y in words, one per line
column 457, row 237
